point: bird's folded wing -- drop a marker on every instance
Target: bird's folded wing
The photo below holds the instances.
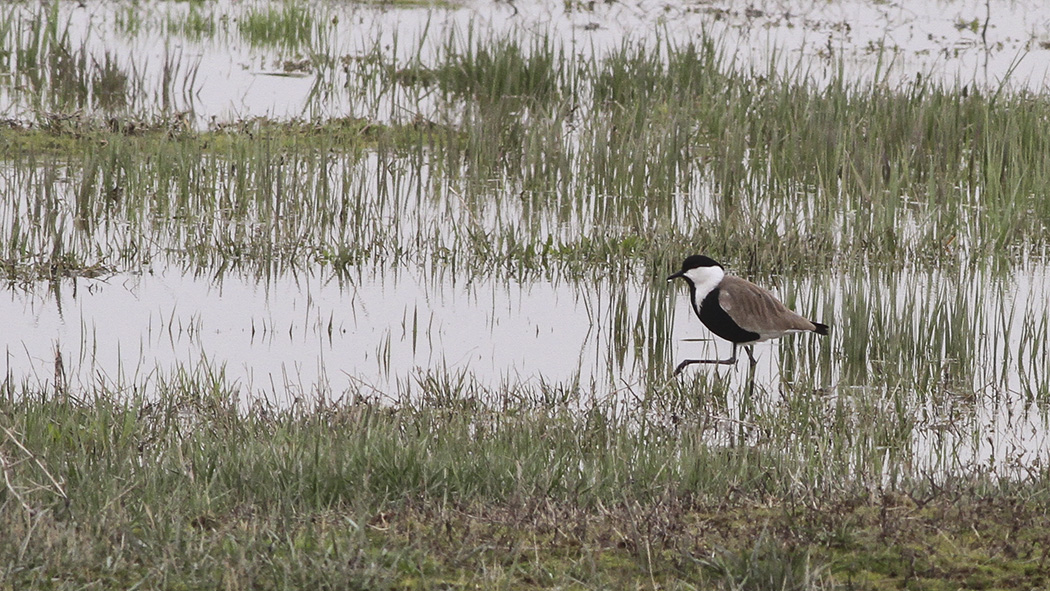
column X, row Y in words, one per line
column 755, row 309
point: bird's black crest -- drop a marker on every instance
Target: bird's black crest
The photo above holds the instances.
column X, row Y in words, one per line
column 698, row 260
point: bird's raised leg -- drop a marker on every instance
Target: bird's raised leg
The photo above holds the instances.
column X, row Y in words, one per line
column 750, row 349
column 730, row 361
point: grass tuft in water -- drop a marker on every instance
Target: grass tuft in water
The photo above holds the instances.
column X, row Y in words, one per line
column 501, row 69
column 287, row 25
column 194, row 22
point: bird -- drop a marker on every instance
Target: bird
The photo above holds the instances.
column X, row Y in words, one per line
column 736, row 309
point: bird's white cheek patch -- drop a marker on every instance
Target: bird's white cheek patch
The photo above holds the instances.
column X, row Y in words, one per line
column 704, row 280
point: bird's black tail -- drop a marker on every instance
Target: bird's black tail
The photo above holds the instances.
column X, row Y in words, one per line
column 820, row 328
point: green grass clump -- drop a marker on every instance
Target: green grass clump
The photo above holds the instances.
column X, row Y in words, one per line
column 503, row 69
column 193, row 23
column 288, row 25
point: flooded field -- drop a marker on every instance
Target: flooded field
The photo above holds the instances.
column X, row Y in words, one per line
column 217, row 62
column 374, row 295
column 337, row 201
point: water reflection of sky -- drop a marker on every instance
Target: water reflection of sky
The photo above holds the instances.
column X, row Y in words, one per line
column 305, row 329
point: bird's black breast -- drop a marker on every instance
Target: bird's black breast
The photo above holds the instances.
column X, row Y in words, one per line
column 718, row 321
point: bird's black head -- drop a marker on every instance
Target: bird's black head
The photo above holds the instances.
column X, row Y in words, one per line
column 692, row 262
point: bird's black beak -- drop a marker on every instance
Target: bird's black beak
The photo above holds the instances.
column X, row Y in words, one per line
column 675, row 276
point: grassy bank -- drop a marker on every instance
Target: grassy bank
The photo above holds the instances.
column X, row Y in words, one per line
column 438, row 490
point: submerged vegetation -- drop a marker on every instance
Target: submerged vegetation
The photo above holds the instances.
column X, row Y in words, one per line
column 913, row 218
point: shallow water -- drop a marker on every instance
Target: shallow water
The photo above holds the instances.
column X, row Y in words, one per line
column 306, row 329
column 306, row 336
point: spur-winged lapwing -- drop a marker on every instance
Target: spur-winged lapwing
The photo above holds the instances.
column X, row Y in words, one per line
column 736, row 309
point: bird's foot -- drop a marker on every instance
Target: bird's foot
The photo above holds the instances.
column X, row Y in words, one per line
column 688, row 362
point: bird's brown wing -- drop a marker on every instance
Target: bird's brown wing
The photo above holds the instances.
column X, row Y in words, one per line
column 757, row 310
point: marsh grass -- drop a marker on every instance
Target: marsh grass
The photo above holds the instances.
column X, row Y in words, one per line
column 106, row 485
column 288, row 25
column 52, row 70
column 491, row 70
column 643, row 154
column 194, row 23
column 678, row 145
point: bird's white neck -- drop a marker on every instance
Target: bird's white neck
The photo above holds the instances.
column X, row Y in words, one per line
column 704, row 280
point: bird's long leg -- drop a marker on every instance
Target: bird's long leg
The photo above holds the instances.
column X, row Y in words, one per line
column 751, row 380
column 730, row 361
column 750, row 349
